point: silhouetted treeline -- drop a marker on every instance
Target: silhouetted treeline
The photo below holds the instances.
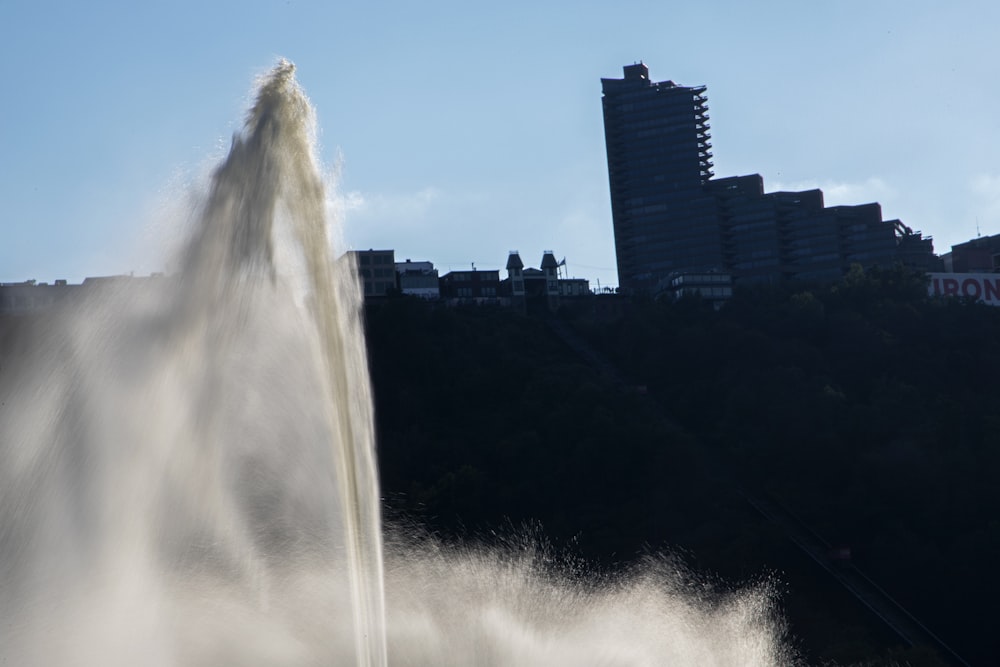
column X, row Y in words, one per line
column 866, row 408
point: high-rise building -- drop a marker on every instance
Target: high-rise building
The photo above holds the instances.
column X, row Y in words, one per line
column 672, row 217
column 659, row 159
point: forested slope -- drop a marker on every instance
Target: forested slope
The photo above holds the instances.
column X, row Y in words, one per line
column 866, row 408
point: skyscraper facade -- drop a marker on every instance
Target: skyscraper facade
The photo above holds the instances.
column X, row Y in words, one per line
column 672, row 217
column 659, row 159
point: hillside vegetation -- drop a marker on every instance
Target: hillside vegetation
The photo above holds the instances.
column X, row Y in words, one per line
column 866, row 408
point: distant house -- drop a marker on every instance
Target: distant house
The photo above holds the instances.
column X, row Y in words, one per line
column 980, row 255
column 471, row 286
column 29, row 296
column 540, row 290
column 570, row 287
column 418, row 279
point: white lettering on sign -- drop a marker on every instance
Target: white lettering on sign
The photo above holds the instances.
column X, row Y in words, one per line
column 983, row 287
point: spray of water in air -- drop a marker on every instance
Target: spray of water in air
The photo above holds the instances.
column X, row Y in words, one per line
column 187, row 474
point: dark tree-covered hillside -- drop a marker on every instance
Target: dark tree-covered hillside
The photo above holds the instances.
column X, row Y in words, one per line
column 865, row 408
column 485, row 418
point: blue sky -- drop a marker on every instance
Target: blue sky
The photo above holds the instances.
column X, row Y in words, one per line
column 463, row 130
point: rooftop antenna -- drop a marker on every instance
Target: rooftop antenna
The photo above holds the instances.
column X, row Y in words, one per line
column 977, row 227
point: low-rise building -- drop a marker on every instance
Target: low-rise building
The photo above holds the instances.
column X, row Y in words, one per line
column 418, row 279
column 471, row 286
column 377, row 269
column 539, row 290
column 980, row 255
column 28, row 296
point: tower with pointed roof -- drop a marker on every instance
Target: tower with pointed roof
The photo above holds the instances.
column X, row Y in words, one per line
column 515, row 276
column 550, row 269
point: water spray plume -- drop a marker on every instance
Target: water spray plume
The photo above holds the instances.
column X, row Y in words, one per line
column 187, row 475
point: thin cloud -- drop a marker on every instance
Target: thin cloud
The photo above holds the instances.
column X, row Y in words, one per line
column 387, row 208
column 376, row 219
column 844, row 193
